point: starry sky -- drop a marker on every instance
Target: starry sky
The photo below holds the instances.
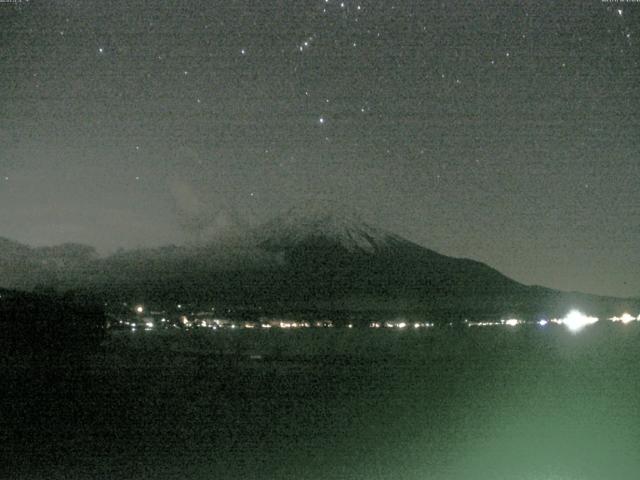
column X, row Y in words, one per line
column 504, row 131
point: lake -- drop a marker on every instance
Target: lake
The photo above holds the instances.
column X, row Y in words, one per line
column 444, row 403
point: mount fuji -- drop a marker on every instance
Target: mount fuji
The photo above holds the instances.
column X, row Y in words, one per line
column 323, row 221
column 316, row 257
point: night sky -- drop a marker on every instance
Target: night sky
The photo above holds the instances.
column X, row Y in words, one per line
column 507, row 132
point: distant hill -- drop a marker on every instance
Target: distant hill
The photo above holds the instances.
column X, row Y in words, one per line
column 24, row 268
column 316, row 257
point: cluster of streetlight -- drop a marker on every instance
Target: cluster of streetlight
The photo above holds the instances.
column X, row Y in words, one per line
column 574, row 321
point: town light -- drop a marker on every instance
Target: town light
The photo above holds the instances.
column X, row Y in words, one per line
column 576, row 320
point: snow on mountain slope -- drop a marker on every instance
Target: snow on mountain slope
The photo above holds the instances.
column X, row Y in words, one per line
column 325, row 221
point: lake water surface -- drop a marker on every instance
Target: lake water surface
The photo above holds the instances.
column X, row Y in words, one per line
column 447, row 403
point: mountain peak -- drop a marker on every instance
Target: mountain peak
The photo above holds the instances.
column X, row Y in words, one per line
column 323, row 212
column 326, row 220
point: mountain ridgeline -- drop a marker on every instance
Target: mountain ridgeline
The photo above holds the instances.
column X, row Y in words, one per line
column 307, row 260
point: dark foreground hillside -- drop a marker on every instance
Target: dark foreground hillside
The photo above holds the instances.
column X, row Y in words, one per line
column 496, row 403
column 50, row 327
column 47, row 343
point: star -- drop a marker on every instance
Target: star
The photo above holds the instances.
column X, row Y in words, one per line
column 321, row 120
column 619, row 11
column 243, row 52
column 100, row 50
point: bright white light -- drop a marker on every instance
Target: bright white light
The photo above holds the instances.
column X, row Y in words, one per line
column 512, row 322
column 402, row 325
column 139, row 309
column 149, row 324
column 542, row 323
column 625, row 318
column 576, row 320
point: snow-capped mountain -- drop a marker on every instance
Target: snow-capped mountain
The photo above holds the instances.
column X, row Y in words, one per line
column 314, row 257
column 324, row 221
